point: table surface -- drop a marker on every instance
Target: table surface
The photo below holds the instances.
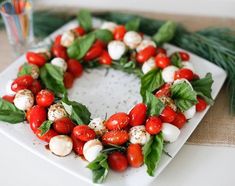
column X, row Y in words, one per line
column 193, row 165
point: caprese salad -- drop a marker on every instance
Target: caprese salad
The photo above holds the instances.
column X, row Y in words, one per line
column 172, row 93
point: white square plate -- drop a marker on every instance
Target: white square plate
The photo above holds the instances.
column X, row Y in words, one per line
column 106, row 92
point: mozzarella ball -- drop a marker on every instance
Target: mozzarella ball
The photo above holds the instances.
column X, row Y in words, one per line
column 109, row 26
column 9, row 91
column 170, row 132
column 169, row 102
column 188, row 65
column 145, row 43
column 181, row 81
column 67, row 38
column 56, row 111
column 97, row 124
column 190, row 112
column 61, row 145
column 59, row 62
column 34, row 71
column 139, row 135
column 116, row 49
column 132, row 39
column 24, row 99
column 148, row 65
column 91, row 149
column 168, row 73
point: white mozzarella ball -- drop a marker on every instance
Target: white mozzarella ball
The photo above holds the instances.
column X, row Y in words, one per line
column 97, row 124
column 181, row 81
column 59, row 62
column 116, row 49
column 188, row 65
column 34, row 71
column 168, row 73
column 145, row 43
column 61, row 145
column 190, row 112
column 139, row 135
column 132, row 39
column 109, row 26
column 56, row 111
column 24, row 99
column 67, row 38
column 91, row 149
column 148, row 65
column 170, row 132
column 9, row 91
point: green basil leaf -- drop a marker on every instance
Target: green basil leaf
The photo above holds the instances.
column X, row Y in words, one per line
column 152, row 152
column 9, row 112
column 45, row 127
column 85, row 19
column 103, row 35
column 26, row 69
column 133, row 25
column 99, row 168
column 56, row 72
column 73, row 50
column 176, row 60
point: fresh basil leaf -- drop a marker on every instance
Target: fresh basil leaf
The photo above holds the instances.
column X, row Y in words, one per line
column 176, row 60
column 133, row 25
column 26, row 69
column 45, row 127
column 73, row 50
column 183, row 95
column 99, row 168
column 103, row 35
column 56, row 72
column 203, row 87
column 9, row 112
column 85, row 19
column 152, row 152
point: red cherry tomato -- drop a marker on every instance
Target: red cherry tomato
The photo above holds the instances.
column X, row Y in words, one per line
column 137, row 114
column 184, row 56
column 77, row 145
column 57, row 40
column 184, row 73
column 160, row 50
column 196, row 77
column 99, row 43
column 79, row 31
column 47, row 136
column 134, row 155
column 115, row 137
column 59, row 51
column 84, row 133
column 162, row 61
column 75, row 67
column 153, row 125
column 63, row 126
column 45, row 98
column 164, row 90
column 36, row 58
column 179, row 120
column 168, row 115
column 201, row 105
column 93, row 53
column 35, row 87
column 119, row 32
column 8, row 98
column 117, row 121
column 36, row 116
column 68, row 80
column 145, row 54
column 117, row 161
column 105, row 58
column 22, row 82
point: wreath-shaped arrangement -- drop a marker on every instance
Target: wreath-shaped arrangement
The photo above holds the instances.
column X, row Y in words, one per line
column 172, row 93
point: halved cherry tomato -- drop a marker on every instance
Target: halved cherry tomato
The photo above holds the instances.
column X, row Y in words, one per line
column 184, row 56
column 115, row 137
column 47, row 136
column 201, row 105
column 153, row 125
column 45, row 98
column 105, row 58
column 36, row 58
column 63, row 126
column 117, row 161
column 68, row 80
column 22, row 82
column 179, row 120
column 57, row 40
column 117, row 121
column 119, row 32
column 59, row 51
column 160, row 50
column 164, row 90
column 184, row 73
column 37, row 115
column 35, row 87
column 145, row 54
column 8, row 98
column 79, row 31
column 134, row 155
column 168, row 114
column 137, row 114
column 84, row 133
column 162, row 61
column 93, row 53
column 75, row 67
column 77, row 145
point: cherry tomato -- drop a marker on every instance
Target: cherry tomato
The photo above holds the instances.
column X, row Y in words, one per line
column 99, row 43
column 134, row 155
column 22, row 82
column 201, row 105
column 117, row 121
column 84, row 133
column 8, row 98
column 57, row 40
column 117, row 161
column 162, row 61
column 47, row 136
column 36, row 116
column 63, row 126
column 68, row 80
column 164, row 91
column 75, row 67
column 184, row 56
column 119, row 32
column 196, row 77
column 160, row 50
column 153, row 125
column 105, row 58
column 179, row 120
column 77, row 145
column 35, row 87
column 145, row 54
column 79, row 31
column 168, row 115
column 184, row 73
column 93, row 53
column 59, row 51
column 137, row 114
column 115, row 137
column 36, row 58
column 45, row 98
